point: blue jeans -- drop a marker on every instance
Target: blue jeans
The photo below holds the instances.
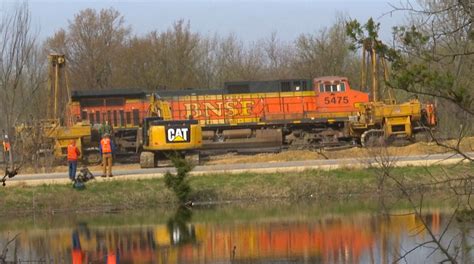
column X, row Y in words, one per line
column 72, row 164
column 76, row 243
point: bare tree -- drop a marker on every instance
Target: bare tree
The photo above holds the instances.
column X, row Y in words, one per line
column 20, row 70
column 326, row 53
column 92, row 43
column 236, row 62
column 278, row 56
column 435, row 57
column 207, row 65
column 420, row 66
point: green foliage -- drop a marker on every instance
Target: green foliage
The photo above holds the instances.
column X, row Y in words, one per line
column 363, row 36
column 419, row 63
column 179, row 222
column 179, row 183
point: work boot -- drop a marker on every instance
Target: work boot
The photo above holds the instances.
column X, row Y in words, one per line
column 103, row 176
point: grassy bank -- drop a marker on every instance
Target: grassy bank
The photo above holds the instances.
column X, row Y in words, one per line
column 343, row 184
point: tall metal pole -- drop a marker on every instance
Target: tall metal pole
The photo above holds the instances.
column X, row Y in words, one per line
column 374, row 75
column 363, row 80
column 56, row 85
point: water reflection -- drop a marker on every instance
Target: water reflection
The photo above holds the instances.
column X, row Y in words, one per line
column 355, row 238
column 180, row 230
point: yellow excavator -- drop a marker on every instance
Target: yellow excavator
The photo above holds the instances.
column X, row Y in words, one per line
column 387, row 121
column 161, row 136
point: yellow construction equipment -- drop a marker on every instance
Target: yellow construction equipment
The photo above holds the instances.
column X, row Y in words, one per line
column 50, row 136
column 162, row 137
column 387, row 120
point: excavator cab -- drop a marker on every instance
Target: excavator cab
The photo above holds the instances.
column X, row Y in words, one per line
column 162, row 136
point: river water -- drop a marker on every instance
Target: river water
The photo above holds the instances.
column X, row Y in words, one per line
column 276, row 232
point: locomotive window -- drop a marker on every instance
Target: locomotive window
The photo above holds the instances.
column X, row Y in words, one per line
column 97, row 117
column 238, row 88
column 342, row 87
column 300, row 86
column 297, row 86
column 84, row 115
column 109, row 117
column 285, row 86
column 332, row 88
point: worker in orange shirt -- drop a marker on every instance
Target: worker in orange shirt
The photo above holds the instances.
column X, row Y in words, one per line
column 6, row 144
column 112, row 257
column 106, row 149
column 6, row 149
column 72, row 154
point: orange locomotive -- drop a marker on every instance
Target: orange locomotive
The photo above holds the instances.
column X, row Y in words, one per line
column 331, row 98
column 269, row 114
column 123, row 109
column 243, row 116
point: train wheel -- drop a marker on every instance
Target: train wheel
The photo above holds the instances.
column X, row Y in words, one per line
column 147, row 159
column 372, row 138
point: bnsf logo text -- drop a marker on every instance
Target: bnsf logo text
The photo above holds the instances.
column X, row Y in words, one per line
column 177, row 135
column 221, row 109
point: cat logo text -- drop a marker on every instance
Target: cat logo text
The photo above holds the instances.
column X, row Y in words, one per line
column 177, row 135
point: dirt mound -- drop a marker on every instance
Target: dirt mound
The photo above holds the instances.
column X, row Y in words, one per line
column 421, row 148
column 467, row 145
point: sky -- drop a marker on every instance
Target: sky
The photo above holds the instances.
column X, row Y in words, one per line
column 248, row 20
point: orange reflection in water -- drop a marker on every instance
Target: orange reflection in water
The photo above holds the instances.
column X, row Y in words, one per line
column 333, row 239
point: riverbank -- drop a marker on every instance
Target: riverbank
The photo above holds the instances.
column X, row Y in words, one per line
column 320, row 185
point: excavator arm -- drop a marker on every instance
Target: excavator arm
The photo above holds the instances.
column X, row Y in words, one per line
column 159, row 108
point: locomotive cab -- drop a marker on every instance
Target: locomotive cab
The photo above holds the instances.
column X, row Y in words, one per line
column 335, row 95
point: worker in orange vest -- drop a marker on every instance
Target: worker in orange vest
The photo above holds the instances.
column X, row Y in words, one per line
column 6, row 147
column 72, row 154
column 112, row 257
column 106, row 149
